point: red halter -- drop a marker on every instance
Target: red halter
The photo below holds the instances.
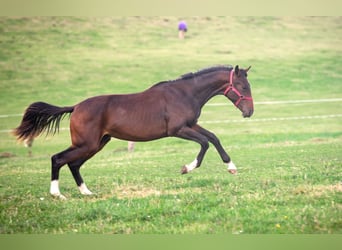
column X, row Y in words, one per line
column 232, row 88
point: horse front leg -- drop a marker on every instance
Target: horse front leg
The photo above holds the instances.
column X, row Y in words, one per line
column 191, row 134
column 216, row 142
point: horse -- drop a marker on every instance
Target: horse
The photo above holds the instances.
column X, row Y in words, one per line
column 167, row 109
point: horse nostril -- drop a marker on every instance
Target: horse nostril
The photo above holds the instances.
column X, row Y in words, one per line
column 248, row 113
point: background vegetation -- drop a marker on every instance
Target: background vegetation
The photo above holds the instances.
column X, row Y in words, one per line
column 288, row 154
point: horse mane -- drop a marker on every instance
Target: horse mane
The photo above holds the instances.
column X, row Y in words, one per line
column 206, row 71
column 191, row 75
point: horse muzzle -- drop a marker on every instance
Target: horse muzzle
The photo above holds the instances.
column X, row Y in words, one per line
column 247, row 113
column 247, row 109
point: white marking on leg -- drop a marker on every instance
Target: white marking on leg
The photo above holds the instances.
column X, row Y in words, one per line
column 232, row 168
column 54, row 190
column 191, row 166
column 84, row 190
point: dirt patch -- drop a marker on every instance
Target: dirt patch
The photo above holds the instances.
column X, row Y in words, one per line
column 318, row 140
column 136, row 192
column 319, row 190
column 6, row 155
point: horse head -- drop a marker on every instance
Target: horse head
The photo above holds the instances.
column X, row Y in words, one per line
column 238, row 91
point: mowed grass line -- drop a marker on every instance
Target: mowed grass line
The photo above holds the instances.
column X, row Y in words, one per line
column 289, row 177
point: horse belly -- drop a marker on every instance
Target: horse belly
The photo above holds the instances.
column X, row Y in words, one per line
column 137, row 124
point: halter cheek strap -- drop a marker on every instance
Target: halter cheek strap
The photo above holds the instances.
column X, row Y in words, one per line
column 232, row 88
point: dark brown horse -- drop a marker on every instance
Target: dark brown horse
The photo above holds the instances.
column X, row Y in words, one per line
column 169, row 108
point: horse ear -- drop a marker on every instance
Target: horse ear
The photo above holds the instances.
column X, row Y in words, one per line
column 248, row 68
column 236, row 70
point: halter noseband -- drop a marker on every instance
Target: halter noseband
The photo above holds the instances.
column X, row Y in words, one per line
column 232, row 88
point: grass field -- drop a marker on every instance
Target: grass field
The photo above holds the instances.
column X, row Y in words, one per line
column 289, row 154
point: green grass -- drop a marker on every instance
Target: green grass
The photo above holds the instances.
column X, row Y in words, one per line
column 289, row 178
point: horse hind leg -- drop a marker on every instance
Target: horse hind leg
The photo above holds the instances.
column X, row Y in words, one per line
column 76, row 165
column 72, row 154
column 57, row 162
column 75, row 171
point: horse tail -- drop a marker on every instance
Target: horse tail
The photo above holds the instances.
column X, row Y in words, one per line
column 40, row 117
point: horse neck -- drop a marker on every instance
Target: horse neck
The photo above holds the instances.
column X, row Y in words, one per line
column 209, row 85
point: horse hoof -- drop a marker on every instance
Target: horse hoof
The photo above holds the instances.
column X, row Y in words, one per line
column 84, row 190
column 59, row 196
column 184, row 170
column 232, row 171
column 62, row 197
